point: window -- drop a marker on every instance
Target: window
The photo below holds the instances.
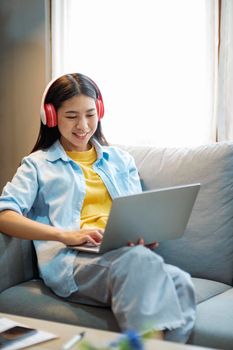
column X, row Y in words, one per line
column 151, row 61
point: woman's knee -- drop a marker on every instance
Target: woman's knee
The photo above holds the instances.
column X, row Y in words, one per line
column 182, row 279
column 176, row 272
column 140, row 257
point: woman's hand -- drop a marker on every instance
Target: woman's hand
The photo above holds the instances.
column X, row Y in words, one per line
column 79, row 237
column 141, row 241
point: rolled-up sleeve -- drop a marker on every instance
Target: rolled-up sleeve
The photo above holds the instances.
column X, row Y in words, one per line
column 19, row 194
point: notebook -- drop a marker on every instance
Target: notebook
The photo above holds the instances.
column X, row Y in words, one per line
column 155, row 215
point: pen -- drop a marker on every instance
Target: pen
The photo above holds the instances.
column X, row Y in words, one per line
column 73, row 341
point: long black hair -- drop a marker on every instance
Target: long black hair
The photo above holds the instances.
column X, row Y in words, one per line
column 62, row 89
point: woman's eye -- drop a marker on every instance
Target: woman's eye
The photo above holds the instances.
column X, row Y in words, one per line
column 90, row 115
column 70, row 117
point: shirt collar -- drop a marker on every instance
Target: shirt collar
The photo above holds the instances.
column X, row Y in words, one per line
column 56, row 151
column 102, row 151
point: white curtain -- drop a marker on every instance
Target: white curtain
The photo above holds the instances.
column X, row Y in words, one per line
column 224, row 114
column 154, row 61
column 212, row 11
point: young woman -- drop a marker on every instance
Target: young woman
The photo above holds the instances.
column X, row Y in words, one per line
column 61, row 195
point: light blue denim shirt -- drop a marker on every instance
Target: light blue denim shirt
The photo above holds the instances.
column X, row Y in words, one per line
column 49, row 187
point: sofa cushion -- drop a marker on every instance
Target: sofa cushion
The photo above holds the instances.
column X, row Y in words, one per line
column 34, row 299
column 205, row 289
column 17, row 261
column 206, row 249
column 214, row 323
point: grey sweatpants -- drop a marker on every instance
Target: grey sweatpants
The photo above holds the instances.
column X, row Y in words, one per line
column 143, row 292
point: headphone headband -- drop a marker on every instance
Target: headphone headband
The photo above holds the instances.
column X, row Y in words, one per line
column 48, row 113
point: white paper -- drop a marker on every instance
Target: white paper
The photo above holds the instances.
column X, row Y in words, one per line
column 35, row 338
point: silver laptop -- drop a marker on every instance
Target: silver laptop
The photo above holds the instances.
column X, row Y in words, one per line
column 155, row 215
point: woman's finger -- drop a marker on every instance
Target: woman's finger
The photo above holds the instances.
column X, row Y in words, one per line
column 141, row 241
column 96, row 235
column 152, row 245
column 91, row 240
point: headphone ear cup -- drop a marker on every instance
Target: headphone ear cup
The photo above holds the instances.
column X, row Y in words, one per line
column 99, row 108
column 51, row 115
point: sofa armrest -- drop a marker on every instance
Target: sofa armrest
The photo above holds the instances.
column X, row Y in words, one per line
column 17, row 261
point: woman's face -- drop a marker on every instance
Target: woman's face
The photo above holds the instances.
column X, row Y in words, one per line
column 77, row 122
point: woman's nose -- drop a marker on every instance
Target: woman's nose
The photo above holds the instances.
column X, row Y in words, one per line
column 82, row 123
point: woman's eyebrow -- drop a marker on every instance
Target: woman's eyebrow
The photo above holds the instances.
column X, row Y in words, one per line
column 77, row 112
column 91, row 110
column 74, row 112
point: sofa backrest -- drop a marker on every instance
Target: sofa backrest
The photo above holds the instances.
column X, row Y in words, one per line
column 17, row 261
column 206, row 249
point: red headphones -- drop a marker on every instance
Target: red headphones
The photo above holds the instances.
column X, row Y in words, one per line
column 48, row 113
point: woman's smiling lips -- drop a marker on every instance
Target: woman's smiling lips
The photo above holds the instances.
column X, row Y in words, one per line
column 80, row 135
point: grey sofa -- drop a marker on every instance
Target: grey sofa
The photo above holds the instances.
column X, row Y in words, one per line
column 205, row 251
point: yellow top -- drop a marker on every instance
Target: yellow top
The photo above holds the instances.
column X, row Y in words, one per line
column 97, row 202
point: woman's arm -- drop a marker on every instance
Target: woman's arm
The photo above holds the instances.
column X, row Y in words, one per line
column 16, row 225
